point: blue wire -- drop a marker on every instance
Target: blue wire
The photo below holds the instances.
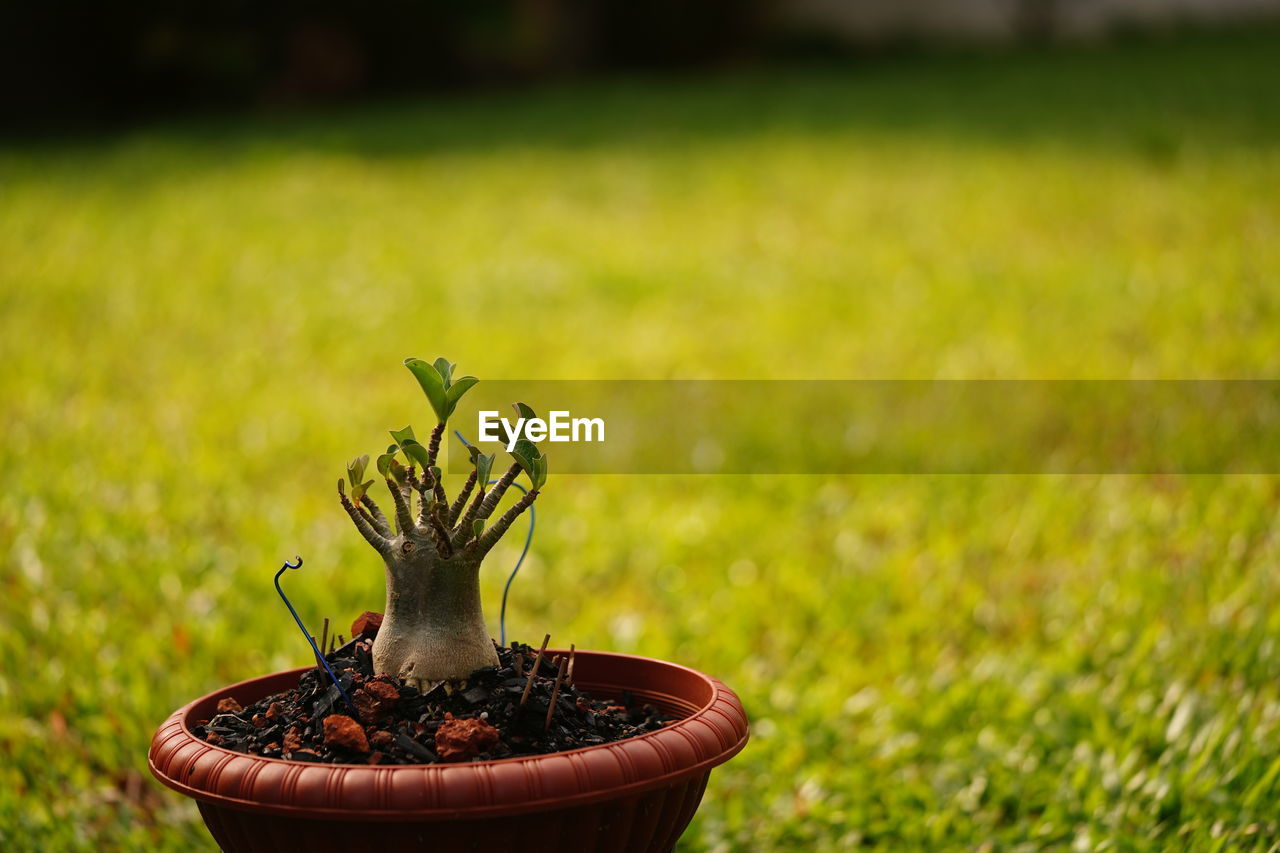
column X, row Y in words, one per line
column 307, row 634
column 502, row 614
column 533, row 520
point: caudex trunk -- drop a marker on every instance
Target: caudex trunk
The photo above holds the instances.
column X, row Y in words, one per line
column 433, row 626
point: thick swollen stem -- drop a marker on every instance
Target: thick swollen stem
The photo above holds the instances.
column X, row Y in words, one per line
column 433, row 629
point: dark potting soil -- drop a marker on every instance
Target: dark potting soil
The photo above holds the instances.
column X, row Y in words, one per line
column 479, row 719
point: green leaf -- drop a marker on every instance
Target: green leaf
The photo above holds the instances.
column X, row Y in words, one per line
column 355, row 470
column 358, row 492
column 415, row 452
column 385, row 460
column 455, row 391
column 483, row 464
column 538, row 476
column 484, row 468
column 403, row 435
column 432, row 385
column 522, row 411
column 445, row 369
column 527, row 454
column 477, row 527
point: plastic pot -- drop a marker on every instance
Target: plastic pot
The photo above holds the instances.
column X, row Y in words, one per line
column 634, row 795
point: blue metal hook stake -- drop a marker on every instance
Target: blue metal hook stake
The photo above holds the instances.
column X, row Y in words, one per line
column 533, row 520
column 297, row 564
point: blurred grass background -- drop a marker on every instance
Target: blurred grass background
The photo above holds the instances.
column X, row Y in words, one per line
column 201, row 321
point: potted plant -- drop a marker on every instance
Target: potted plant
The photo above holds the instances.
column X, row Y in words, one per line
column 423, row 732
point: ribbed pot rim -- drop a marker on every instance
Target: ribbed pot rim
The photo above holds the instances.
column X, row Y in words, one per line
column 714, row 731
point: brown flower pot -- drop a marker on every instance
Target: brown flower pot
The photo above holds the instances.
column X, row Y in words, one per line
column 637, row 794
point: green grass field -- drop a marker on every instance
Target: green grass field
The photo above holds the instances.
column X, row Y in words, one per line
column 201, row 322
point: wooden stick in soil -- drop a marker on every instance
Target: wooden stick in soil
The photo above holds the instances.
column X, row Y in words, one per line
column 569, row 674
column 555, row 693
column 324, row 636
column 533, row 673
column 319, row 663
column 519, row 663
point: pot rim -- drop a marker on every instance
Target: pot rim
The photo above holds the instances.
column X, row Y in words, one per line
column 710, row 735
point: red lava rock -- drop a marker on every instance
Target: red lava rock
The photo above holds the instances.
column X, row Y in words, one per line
column 461, row 739
column 382, row 739
column 583, row 704
column 310, row 752
column 341, row 730
column 368, row 623
column 227, row 705
column 259, row 721
column 292, row 740
column 375, row 758
column 213, row 738
column 274, row 711
column 375, row 700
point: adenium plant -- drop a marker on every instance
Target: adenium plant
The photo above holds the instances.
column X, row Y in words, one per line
column 433, row 627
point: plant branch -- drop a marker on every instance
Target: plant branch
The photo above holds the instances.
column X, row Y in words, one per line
column 499, row 489
column 379, row 520
column 433, row 445
column 499, row 527
column 403, row 517
column 461, row 500
column 430, row 483
column 440, row 533
column 438, row 489
column 423, row 488
column 380, row 543
column 462, row 530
